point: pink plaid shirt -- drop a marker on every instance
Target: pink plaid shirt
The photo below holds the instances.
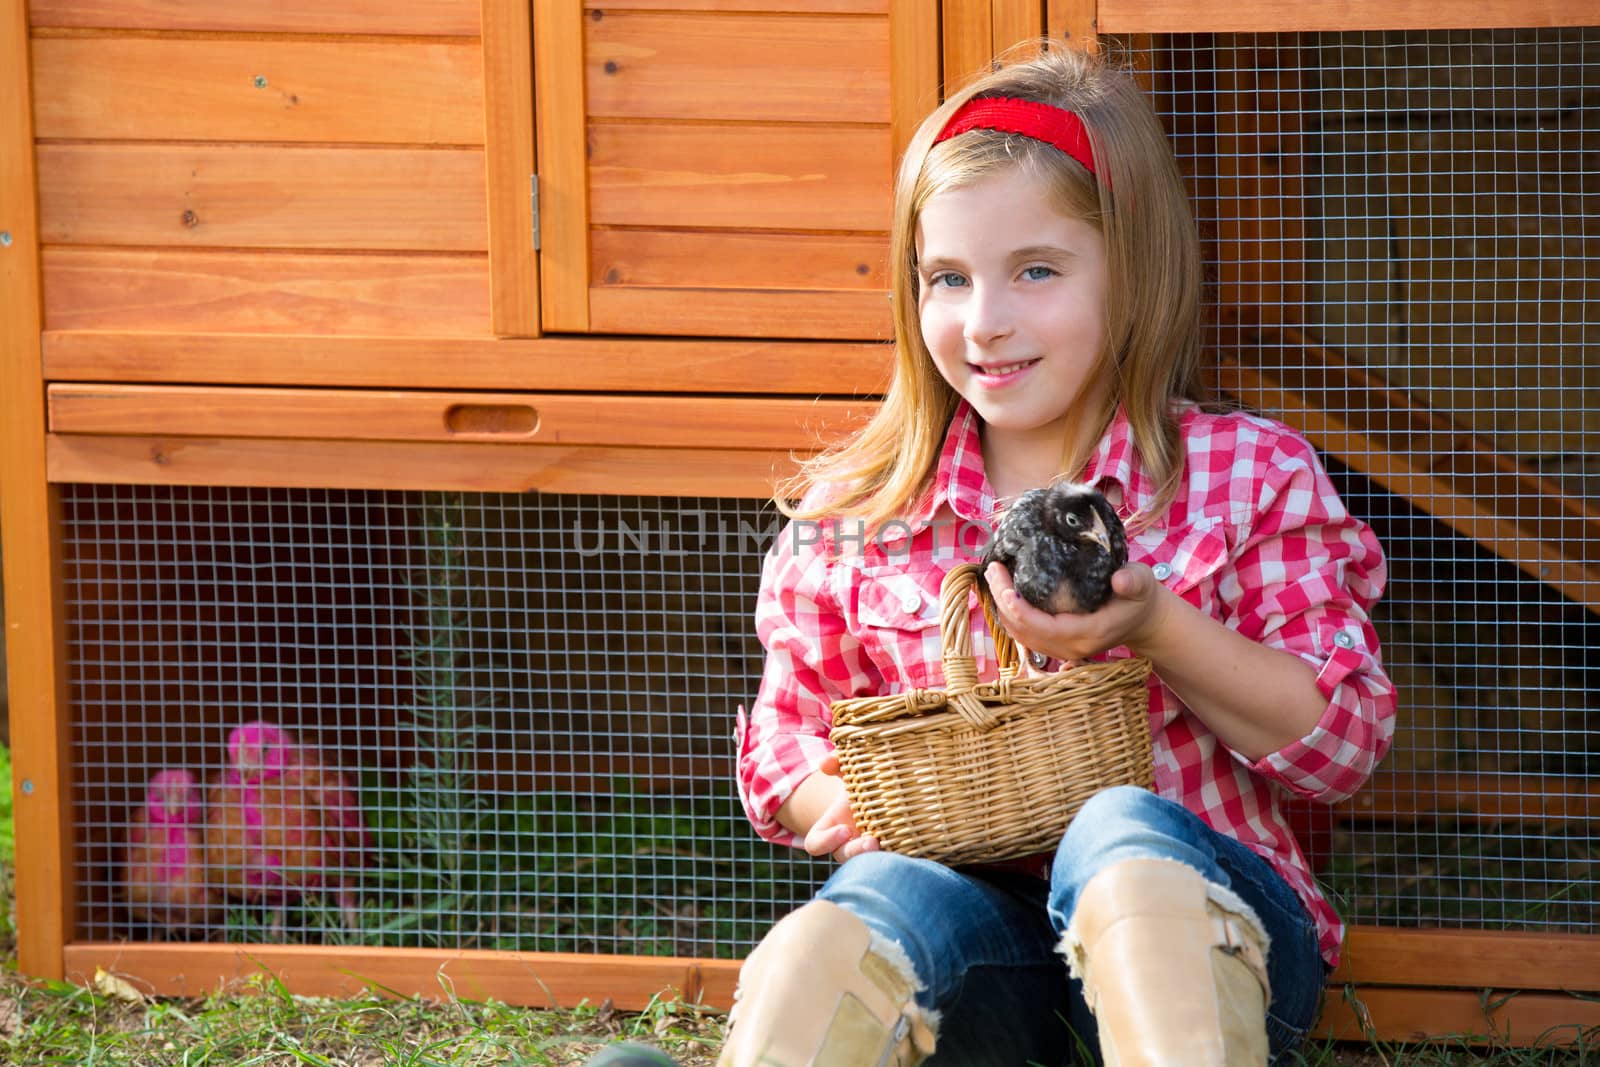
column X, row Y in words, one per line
column 1257, row 537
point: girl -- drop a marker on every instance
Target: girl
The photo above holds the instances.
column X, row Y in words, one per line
column 1046, row 293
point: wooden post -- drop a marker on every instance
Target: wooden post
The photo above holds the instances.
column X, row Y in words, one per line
column 35, row 631
column 1014, row 22
column 558, row 66
column 509, row 158
column 1073, row 21
column 913, row 70
column 976, row 31
column 968, row 40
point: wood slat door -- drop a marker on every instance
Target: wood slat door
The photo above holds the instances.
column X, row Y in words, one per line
column 327, row 169
column 724, row 170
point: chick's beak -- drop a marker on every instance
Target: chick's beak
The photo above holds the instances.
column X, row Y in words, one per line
column 1100, row 535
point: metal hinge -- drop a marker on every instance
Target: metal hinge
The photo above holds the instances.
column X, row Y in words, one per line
column 533, row 181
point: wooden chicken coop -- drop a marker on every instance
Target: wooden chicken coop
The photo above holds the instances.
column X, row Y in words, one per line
column 414, row 375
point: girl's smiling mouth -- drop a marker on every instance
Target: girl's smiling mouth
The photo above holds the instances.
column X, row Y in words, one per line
column 998, row 373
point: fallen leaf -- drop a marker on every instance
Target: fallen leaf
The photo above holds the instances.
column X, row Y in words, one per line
column 112, row 986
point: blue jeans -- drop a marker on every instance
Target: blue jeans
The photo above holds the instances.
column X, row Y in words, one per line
column 983, row 942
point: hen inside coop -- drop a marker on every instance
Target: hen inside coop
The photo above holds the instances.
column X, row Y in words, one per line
column 495, row 721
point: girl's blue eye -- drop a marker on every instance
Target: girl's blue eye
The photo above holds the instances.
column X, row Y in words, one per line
column 1038, row 274
column 947, row 278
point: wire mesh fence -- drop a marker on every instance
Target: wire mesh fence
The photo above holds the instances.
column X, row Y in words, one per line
column 1404, row 234
column 530, row 697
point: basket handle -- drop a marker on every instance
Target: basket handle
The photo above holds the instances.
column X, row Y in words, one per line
column 955, row 639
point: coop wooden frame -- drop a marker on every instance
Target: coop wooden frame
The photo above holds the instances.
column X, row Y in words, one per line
column 221, row 387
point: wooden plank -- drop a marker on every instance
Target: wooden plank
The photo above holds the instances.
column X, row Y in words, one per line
column 533, row 979
column 913, row 68
column 968, row 30
column 416, row 465
column 1502, row 959
column 29, row 529
column 563, row 165
column 261, row 196
column 800, row 315
column 1016, row 22
column 1073, row 21
column 1477, row 796
column 573, row 363
column 694, row 259
column 747, row 67
column 1269, row 16
column 740, row 177
column 423, row 17
column 205, row 89
column 510, row 166
column 415, row 415
column 408, row 296
column 1471, row 1016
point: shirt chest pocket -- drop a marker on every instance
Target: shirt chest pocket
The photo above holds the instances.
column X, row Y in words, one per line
column 895, row 602
column 897, row 622
column 1186, row 559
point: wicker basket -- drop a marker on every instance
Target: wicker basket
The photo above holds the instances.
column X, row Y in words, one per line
column 988, row 771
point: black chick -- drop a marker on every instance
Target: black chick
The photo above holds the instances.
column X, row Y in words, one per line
column 1061, row 544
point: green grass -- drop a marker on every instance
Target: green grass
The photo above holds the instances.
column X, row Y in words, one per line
column 1506, row 877
column 262, row 1023
column 8, row 837
column 544, row 872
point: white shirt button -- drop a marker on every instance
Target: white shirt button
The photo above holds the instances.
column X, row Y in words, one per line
column 1162, row 571
column 910, row 602
column 1344, row 640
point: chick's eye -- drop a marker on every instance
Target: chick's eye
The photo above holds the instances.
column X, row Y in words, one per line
column 1072, row 520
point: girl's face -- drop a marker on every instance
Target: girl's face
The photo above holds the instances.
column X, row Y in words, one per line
column 1012, row 302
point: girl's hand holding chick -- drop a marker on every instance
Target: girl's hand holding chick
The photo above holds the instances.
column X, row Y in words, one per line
column 1134, row 616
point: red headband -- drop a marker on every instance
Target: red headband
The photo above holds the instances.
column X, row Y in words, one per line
column 1042, row 122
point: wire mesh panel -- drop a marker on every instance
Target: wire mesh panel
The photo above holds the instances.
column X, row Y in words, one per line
column 508, row 718
column 1404, row 237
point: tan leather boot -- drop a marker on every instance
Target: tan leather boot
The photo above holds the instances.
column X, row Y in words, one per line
column 821, row 990
column 1173, row 967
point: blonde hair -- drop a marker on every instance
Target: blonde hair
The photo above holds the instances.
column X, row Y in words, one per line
column 1153, row 341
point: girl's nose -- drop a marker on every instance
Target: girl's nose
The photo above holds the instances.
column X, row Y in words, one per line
column 988, row 316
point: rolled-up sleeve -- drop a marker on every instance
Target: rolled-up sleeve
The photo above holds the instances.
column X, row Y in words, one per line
column 811, row 660
column 1304, row 579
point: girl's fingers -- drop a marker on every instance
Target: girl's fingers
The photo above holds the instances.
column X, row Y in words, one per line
column 998, row 578
column 855, row 847
column 1132, row 582
column 835, row 832
column 827, row 840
